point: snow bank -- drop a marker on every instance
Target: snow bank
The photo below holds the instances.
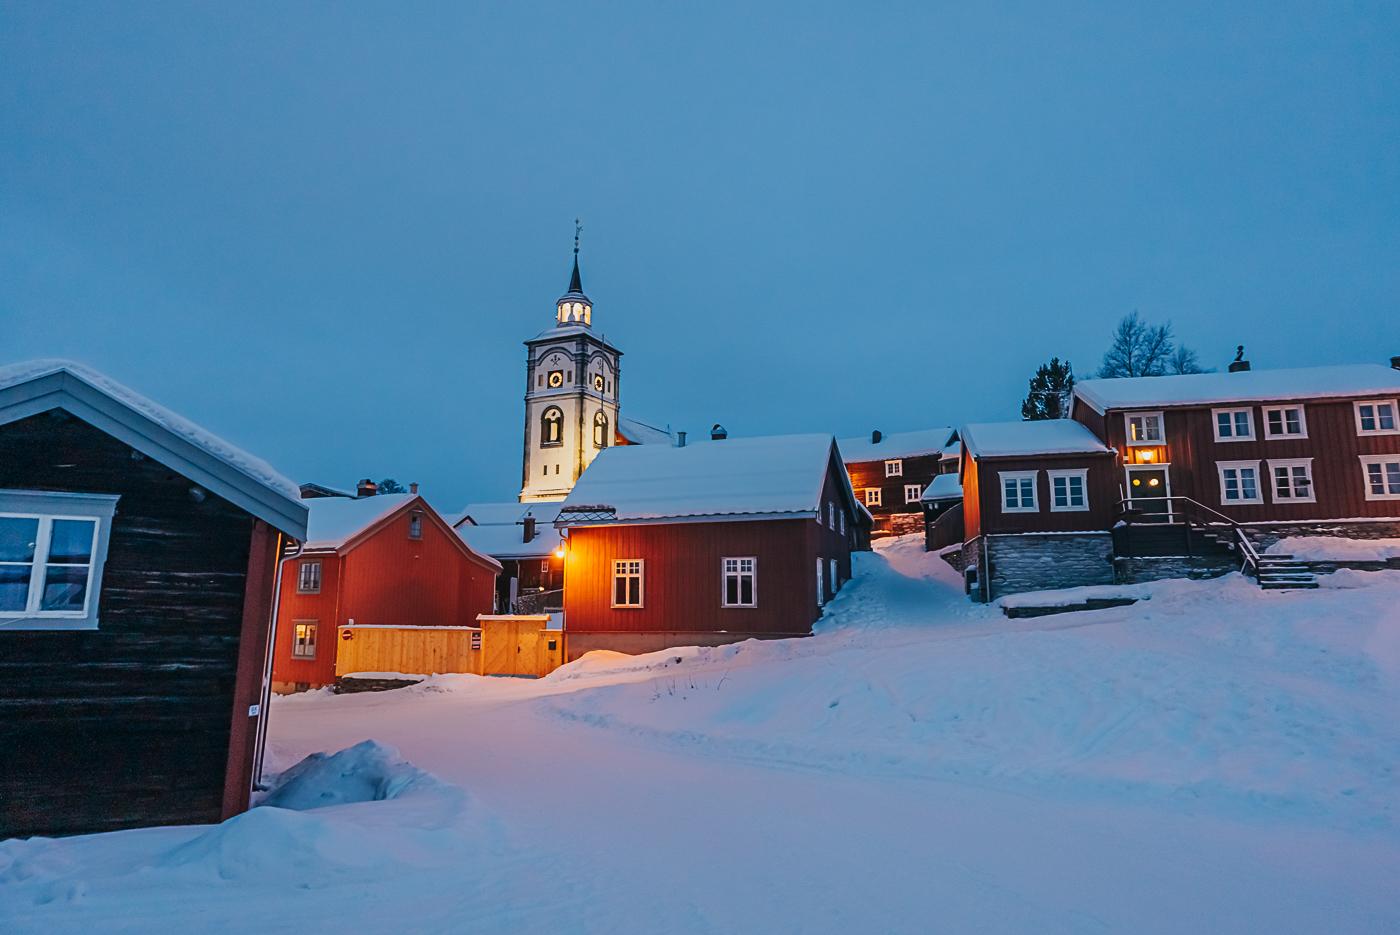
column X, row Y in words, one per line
column 366, row 772
column 1068, row 597
column 1336, row 549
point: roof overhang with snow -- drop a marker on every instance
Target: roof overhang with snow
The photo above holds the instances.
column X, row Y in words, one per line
column 1030, row 439
column 251, row 484
column 1250, row 386
column 860, row 449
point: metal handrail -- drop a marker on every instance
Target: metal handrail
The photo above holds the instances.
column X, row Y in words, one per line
column 1251, row 555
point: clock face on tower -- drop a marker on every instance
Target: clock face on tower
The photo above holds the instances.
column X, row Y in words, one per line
column 598, row 382
column 556, row 378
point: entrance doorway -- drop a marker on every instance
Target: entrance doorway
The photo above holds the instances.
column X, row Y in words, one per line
column 1148, row 491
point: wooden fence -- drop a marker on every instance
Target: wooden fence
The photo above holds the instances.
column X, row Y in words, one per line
column 411, row 650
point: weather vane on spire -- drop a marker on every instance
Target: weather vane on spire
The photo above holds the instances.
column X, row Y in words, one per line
column 578, row 229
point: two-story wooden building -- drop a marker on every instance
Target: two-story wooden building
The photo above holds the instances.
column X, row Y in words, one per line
column 890, row 473
column 710, row 543
column 522, row 537
column 388, row 560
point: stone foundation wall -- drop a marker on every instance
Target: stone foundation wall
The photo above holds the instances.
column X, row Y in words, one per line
column 1155, row 568
column 1045, row 562
column 1265, row 536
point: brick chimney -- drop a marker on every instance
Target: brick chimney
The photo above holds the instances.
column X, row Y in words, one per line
column 529, row 524
column 718, row 432
column 875, row 437
column 366, row 488
column 680, row 439
column 413, row 488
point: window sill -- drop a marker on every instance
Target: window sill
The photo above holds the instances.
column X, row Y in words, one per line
column 1284, row 501
column 1259, row 502
column 1285, row 438
column 1362, row 433
column 1020, row 509
column 1071, row 509
column 1239, row 438
column 47, row 623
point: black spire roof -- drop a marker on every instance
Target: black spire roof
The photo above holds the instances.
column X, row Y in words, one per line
column 575, row 281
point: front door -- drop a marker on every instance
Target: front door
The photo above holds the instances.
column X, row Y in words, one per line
column 1148, row 490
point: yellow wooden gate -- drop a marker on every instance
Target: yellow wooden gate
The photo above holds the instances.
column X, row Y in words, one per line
column 520, row 645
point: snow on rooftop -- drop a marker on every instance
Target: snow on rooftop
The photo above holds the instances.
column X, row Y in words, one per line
column 236, row 458
column 335, row 520
column 1197, row 389
column 506, row 513
column 507, row 540
column 643, row 433
column 895, row 445
column 772, row 474
column 1044, row 437
column 944, row 487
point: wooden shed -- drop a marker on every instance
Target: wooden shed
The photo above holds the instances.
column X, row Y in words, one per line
column 521, row 644
column 137, row 563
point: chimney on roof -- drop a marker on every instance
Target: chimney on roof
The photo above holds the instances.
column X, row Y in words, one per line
column 413, row 488
column 875, row 437
column 1239, row 364
column 1395, row 363
column 718, row 432
column 680, row 436
column 529, row 528
column 366, row 488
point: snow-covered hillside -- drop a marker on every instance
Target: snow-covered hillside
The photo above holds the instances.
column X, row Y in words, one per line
column 1213, row 758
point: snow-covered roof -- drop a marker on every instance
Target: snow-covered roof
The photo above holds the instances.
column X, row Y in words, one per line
column 250, row 483
column 1044, row 437
column 641, row 433
column 781, row 475
column 502, row 540
column 1200, row 389
column 333, row 521
column 943, row 487
column 507, row 512
column 895, row 445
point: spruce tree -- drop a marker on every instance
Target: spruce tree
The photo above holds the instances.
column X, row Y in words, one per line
column 1050, row 391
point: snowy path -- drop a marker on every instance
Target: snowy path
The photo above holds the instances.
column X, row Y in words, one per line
column 921, row 765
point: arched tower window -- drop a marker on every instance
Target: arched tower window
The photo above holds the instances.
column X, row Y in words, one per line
column 600, row 430
column 551, row 427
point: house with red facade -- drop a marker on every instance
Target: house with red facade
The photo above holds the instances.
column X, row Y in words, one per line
column 1197, row 474
column 388, row 560
column 706, row 544
column 891, row 472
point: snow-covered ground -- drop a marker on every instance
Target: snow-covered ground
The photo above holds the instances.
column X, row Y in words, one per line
column 1215, row 758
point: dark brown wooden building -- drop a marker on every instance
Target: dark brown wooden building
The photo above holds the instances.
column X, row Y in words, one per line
column 522, row 537
column 137, row 561
column 890, row 474
column 712, row 543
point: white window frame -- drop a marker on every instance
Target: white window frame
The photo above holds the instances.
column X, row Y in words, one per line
column 833, row 574
column 47, row 506
column 415, row 525
column 738, row 573
column 301, row 646
column 1289, row 464
column 821, row 584
column 918, row 490
column 831, row 513
column 1018, row 476
column 303, row 567
column 1394, row 415
column 1232, row 411
column 1067, row 473
column 621, row 570
column 1222, row 466
column 1283, row 421
column 1128, row 418
column 1382, row 460
column 841, row 518
column 894, row 467
column 878, row 496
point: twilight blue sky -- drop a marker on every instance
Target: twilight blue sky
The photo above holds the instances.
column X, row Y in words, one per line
column 323, row 230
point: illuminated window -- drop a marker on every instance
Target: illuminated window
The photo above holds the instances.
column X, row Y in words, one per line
column 1382, row 476
column 1285, row 422
column 872, row 496
column 309, row 577
column 894, row 468
column 740, row 578
column 1144, row 428
column 1239, row 482
column 627, row 582
column 1069, row 490
column 1018, row 492
column 600, row 430
column 304, row 640
column 551, row 427
column 1377, row 417
column 1292, row 480
column 913, row 493
column 1233, row 425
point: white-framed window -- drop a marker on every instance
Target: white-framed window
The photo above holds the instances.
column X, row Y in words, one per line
column 1233, row 425
column 1069, row 490
column 833, row 574
column 52, row 549
column 309, row 576
column 1239, row 482
column 872, row 496
column 1292, row 480
column 1018, row 492
column 1382, row 476
column 1377, row 417
column 628, row 582
column 304, row 639
column 1144, row 428
column 544, row 566
column 740, row 581
column 831, row 513
column 841, row 518
column 415, row 525
column 821, row 583
column 894, row 468
column 1285, row 422
column 913, row 493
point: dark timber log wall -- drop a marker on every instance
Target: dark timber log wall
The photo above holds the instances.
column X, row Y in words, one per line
column 127, row 725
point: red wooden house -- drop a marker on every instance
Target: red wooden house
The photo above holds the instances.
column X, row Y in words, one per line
column 890, row 474
column 707, row 544
column 386, row 560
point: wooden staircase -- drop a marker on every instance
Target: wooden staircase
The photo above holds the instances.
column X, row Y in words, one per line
column 1284, row 572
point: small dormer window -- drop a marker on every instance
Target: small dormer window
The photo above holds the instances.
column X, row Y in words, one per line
column 415, row 525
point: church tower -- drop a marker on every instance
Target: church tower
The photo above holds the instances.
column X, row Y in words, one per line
column 572, row 384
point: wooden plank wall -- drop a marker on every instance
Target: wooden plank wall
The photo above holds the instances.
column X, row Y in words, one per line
column 425, row 651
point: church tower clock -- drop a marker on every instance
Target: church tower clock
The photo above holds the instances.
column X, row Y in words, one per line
column 572, row 384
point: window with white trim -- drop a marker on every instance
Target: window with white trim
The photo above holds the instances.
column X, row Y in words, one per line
column 740, row 578
column 1292, row 480
column 1018, row 492
column 1285, row 422
column 833, row 574
column 1382, row 476
column 1233, row 425
column 821, row 584
column 913, row 493
column 1239, row 482
column 309, row 577
column 304, row 639
column 628, row 576
column 872, row 496
column 1144, row 428
column 52, row 548
column 831, row 513
column 1376, row 417
column 894, row 468
column 841, row 518
column 415, row 525
column 1069, row 490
